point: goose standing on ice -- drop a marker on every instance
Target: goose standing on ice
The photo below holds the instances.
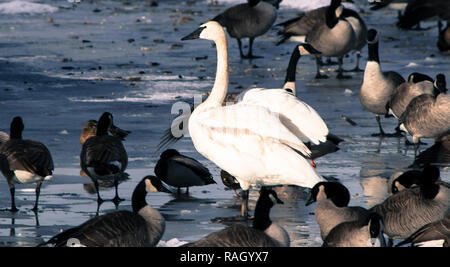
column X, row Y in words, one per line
column 179, row 171
column 248, row 20
column 417, row 84
column 264, row 232
column 250, row 142
column 307, row 21
column 334, row 38
column 24, row 161
column 332, row 206
column 377, row 87
column 144, row 226
column 103, row 157
column 427, row 116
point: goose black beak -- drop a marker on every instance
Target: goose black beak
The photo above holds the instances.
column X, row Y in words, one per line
column 193, row 35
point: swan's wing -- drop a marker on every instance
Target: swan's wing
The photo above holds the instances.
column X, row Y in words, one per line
column 251, row 120
column 300, row 118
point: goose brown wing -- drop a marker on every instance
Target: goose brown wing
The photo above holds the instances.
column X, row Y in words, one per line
column 28, row 155
column 99, row 150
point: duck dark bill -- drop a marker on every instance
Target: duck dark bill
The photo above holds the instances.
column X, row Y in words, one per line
column 194, row 35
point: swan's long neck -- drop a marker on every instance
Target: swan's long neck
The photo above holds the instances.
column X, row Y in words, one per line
column 220, row 87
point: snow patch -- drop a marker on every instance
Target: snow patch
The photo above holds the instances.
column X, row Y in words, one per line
column 20, row 7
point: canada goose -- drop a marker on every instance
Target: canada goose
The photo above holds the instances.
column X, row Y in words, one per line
column 334, row 38
column 307, row 21
column 179, row 171
column 24, row 161
column 406, row 211
column 302, row 24
column 365, row 232
column 377, row 87
column 264, row 233
column 416, row 85
column 103, row 157
column 332, row 199
column 229, row 181
column 248, row 20
column 248, row 141
column 144, row 226
column 443, row 42
column 90, row 128
column 427, row 116
column 435, row 232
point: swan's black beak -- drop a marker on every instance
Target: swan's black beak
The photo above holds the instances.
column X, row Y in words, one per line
column 311, row 49
column 193, row 35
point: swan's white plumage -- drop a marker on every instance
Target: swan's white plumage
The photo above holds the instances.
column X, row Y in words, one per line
column 302, row 119
column 248, row 141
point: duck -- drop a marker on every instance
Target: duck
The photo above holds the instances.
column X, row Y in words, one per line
column 417, row 84
column 435, row 234
column 248, row 20
column 377, row 87
column 365, row 232
column 90, row 128
column 332, row 206
column 426, row 116
column 263, row 233
column 179, row 171
column 250, row 142
column 334, row 38
column 406, row 211
column 142, row 227
column 103, row 157
column 24, row 161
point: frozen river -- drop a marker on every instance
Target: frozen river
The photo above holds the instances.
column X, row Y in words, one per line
column 62, row 65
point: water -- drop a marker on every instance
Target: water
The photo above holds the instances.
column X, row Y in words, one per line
column 61, row 67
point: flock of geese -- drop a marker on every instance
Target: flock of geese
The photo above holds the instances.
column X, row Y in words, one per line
column 268, row 137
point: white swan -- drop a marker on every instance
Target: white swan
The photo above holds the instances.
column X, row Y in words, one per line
column 250, row 142
column 301, row 119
